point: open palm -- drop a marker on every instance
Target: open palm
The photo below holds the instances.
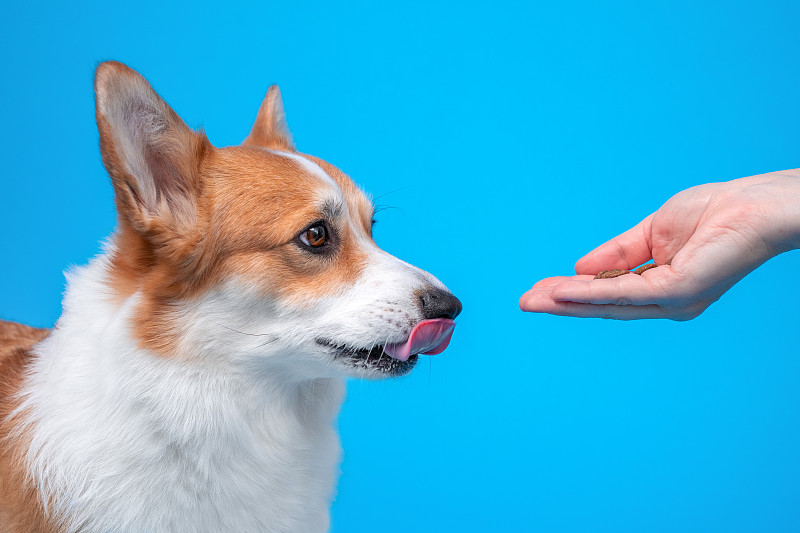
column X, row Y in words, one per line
column 712, row 235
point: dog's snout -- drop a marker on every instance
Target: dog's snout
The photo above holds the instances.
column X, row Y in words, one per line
column 438, row 303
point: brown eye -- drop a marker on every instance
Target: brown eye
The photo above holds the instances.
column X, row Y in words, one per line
column 315, row 236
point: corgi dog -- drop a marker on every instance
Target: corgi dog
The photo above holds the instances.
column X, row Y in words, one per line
column 192, row 382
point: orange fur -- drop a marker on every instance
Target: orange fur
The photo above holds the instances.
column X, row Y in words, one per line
column 246, row 205
column 20, row 508
column 253, row 204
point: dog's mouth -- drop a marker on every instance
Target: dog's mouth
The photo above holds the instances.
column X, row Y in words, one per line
column 428, row 337
column 374, row 358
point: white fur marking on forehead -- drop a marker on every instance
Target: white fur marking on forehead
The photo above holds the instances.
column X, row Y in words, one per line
column 310, row 167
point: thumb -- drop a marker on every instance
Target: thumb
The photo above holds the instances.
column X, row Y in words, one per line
column 625, row 251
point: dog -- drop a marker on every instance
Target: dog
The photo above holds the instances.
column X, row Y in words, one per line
column 192, row 381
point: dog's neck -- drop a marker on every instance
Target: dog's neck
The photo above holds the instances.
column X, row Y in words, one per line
column 126, row 440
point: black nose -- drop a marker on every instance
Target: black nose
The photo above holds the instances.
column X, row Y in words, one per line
column 438, row 303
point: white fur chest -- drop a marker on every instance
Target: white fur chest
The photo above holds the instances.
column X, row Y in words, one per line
column 124, row 440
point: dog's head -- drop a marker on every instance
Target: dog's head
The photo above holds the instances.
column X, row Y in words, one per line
column 255, row 254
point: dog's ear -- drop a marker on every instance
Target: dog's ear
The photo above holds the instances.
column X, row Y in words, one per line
column 152, row 157
column 270, row 129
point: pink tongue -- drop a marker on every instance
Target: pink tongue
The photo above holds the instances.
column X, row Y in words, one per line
column 428, row 337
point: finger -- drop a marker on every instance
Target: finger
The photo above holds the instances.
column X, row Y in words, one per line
column 628, row 289
column 625, row 251
column 555, row 280
column 542, row 302
column 547, row 284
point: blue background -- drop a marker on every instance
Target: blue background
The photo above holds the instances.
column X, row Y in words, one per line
column 510, row 139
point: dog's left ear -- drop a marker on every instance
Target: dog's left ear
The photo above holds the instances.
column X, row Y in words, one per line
column 151, row 155
column 270, row 129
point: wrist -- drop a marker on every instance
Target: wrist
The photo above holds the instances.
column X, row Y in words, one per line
column 785, row 234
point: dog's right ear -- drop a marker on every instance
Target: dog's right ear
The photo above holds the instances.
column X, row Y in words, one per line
column 151, row 155
column 270, row 129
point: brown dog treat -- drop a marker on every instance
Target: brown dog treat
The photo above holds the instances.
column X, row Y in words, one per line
column 613, row 273
column 644, row 268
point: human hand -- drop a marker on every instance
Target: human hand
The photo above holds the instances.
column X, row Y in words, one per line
column 714, row 235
